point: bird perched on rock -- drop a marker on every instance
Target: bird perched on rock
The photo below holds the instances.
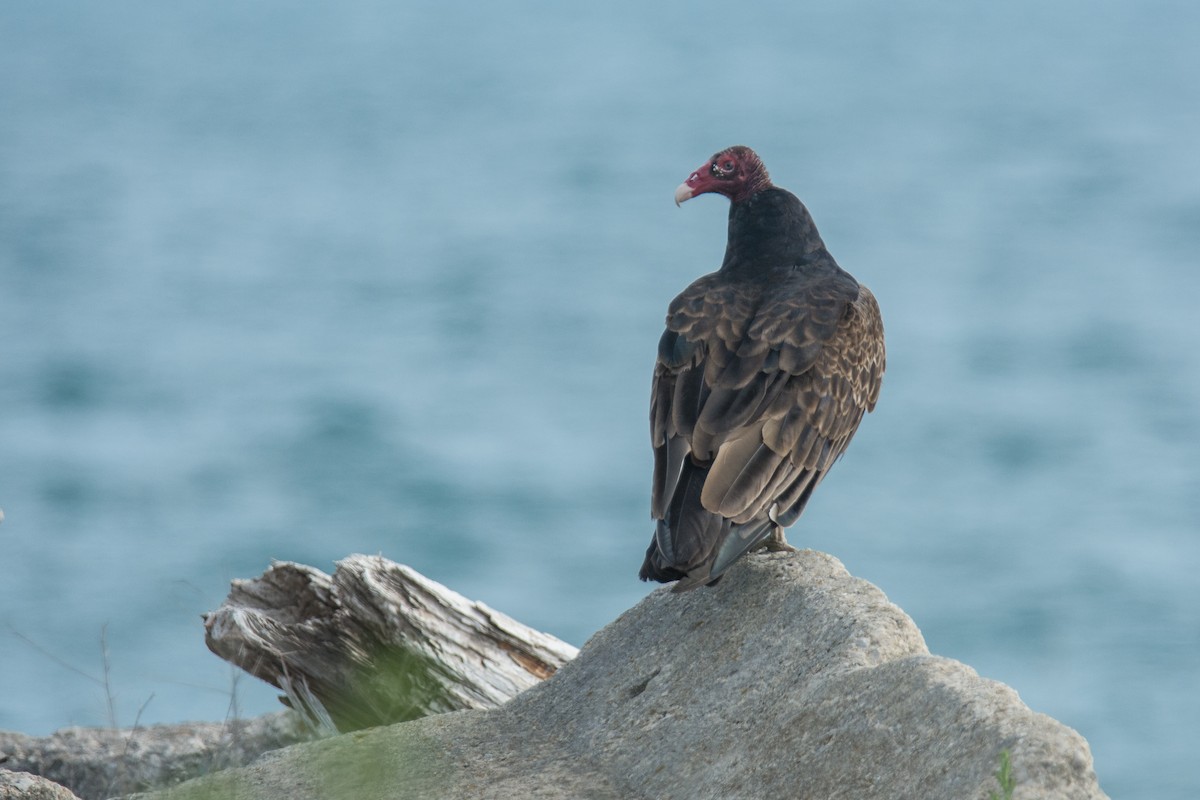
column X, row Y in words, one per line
column 764, row 372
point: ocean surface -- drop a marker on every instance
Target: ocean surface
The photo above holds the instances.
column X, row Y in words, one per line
column 285, row 281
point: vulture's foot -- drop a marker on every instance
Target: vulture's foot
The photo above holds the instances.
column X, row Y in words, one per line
column 776, row 543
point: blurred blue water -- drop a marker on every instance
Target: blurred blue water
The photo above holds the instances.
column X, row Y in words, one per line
column 296, row 282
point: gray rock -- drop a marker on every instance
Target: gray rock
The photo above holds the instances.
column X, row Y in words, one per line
column 23, row 786
column 790, row 679
column 97, row 763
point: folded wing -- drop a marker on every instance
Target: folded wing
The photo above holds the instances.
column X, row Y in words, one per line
column 760, row 386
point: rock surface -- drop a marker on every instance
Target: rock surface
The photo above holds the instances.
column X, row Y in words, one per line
column 789, row 679
column 97, row 763
column 23, row 786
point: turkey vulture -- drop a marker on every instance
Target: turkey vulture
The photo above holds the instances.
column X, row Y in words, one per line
column 764, row 372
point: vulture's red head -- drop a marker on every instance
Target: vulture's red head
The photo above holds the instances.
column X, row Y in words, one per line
column 736, row 172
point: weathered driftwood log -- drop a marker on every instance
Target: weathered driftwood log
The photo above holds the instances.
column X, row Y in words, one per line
column 376, row 643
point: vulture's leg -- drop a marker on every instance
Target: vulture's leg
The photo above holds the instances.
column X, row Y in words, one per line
column 776, row 543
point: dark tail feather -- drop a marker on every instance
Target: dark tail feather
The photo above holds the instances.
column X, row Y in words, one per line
column 685, row 539
column 742, row 540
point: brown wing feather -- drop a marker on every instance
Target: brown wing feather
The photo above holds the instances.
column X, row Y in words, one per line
column 768, row 389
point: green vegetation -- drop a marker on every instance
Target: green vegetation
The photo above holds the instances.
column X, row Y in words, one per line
column 1005, row 777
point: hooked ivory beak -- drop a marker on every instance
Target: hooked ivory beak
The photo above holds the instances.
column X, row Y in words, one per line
column 683, row 193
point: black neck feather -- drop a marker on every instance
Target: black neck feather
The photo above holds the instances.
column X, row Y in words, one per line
column 771, row 229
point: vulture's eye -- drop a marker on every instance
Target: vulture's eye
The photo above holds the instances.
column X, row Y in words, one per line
column 722, row 168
